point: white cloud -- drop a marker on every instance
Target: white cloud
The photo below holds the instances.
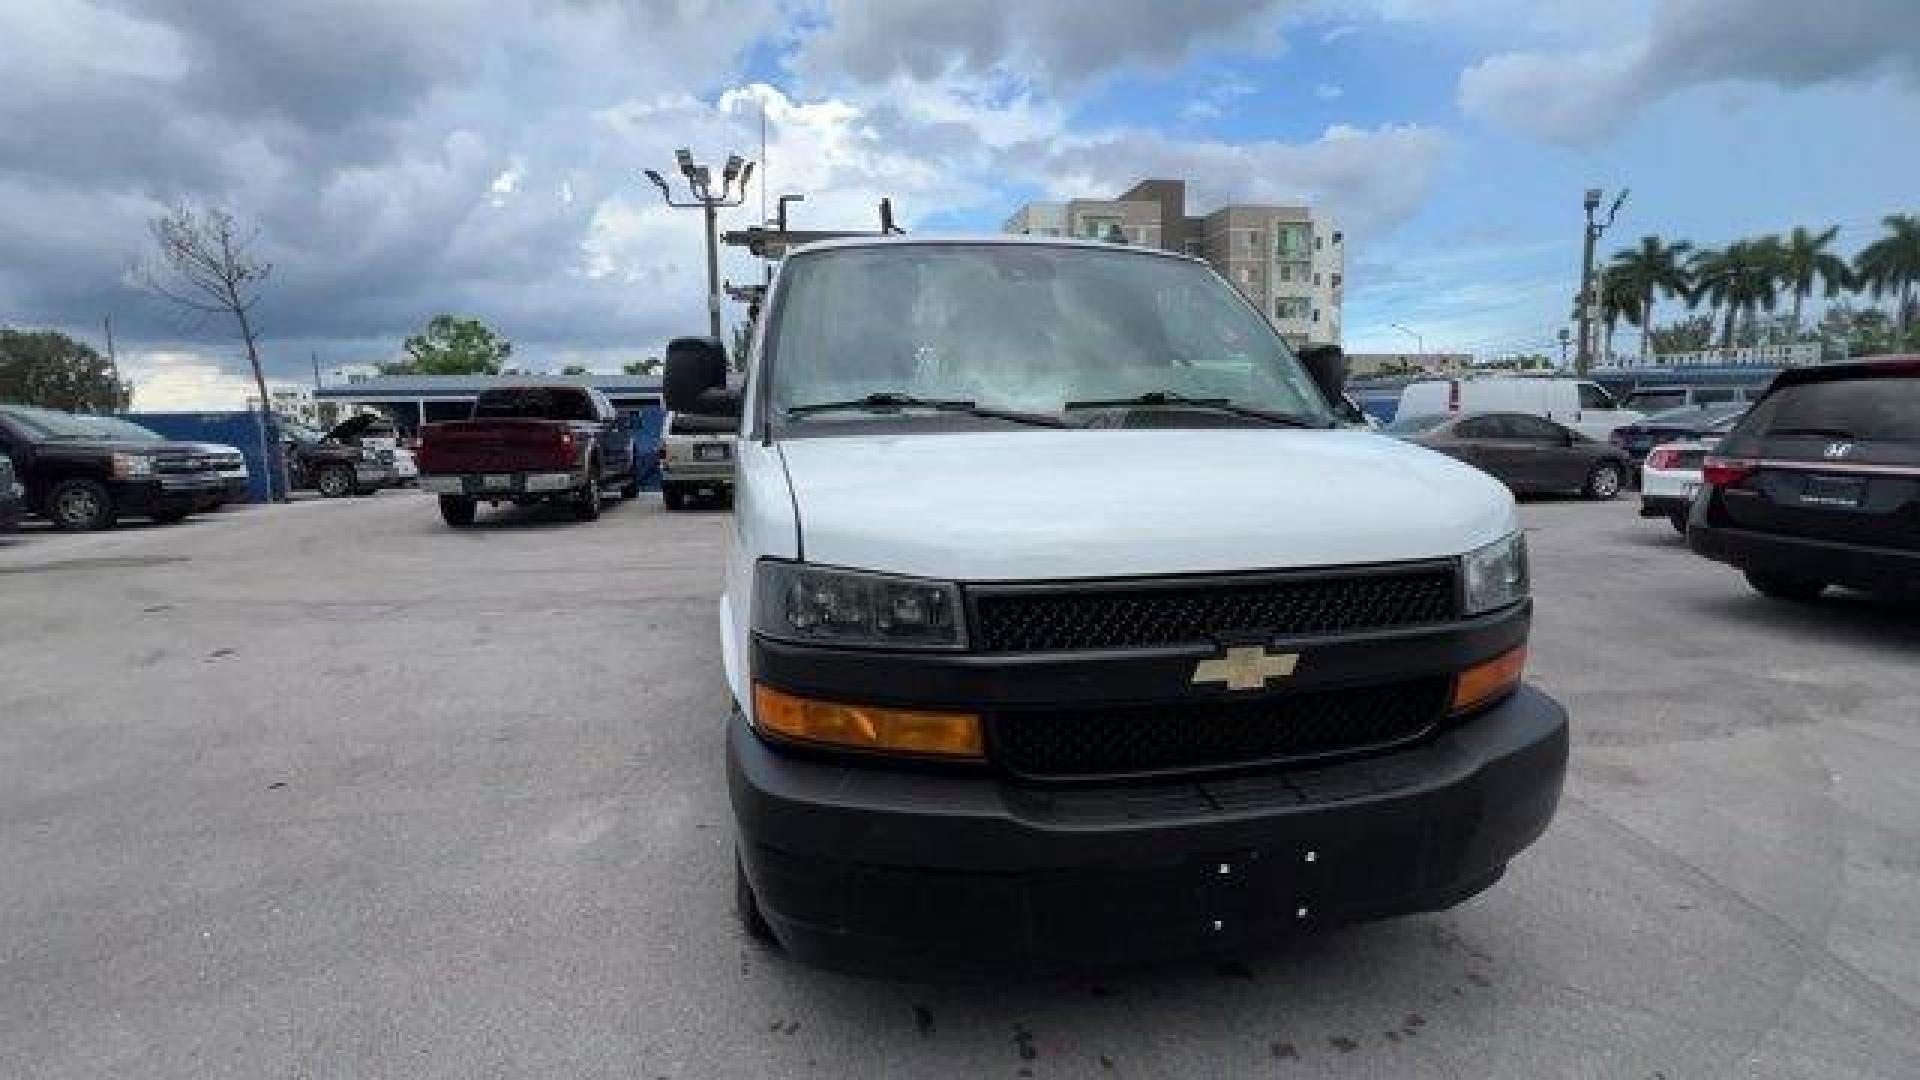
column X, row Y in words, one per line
column 1583, row 94
column 176, row 381
column 1328, row 92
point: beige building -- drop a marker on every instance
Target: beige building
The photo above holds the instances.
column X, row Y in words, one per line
column 1288, row 260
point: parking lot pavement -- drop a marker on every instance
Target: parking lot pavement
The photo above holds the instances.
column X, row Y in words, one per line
column 330, row 790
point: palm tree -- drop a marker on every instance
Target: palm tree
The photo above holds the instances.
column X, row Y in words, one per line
column 1803, row 258
column 1655, row 266
column 1619, row 298
column 1891, row 264
column 1741, row 277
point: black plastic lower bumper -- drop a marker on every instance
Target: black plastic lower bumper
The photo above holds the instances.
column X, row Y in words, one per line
column 1852, row 565
column 890, row 870
column 1664, row 506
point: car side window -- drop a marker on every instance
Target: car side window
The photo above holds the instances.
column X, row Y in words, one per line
column 1713, row 395
column 1534, row 429
column 1593, row 397
column 1479, row 427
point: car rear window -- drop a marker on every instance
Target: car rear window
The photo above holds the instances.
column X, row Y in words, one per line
column 1882, row 409
column 534, row 403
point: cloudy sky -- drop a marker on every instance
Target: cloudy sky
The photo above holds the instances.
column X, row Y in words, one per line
column 483, row 156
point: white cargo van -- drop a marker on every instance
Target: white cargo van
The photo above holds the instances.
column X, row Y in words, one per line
column 1576, row 403
column 1064, row 624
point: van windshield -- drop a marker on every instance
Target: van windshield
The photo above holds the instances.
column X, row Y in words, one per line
column 1075, row 333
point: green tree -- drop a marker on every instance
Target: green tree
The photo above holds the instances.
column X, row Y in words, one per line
column 1805, row 260
column 1691, row 334
column 1620, row 298
column 574, row 369
column 1741, row 278
column 1657, row 267
column 54, row 371
column 453, row 345
column 1891, row 265
column 650, row 366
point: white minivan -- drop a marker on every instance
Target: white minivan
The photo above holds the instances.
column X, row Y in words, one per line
column 1576, row 403
column 1064, row 624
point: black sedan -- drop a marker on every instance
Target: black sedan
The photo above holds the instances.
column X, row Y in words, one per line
column 1526, row 452
column 1675, row 425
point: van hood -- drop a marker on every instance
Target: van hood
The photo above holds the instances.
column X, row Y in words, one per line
column 1033, row 505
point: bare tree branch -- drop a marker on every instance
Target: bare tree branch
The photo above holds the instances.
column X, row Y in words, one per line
column 203, row 267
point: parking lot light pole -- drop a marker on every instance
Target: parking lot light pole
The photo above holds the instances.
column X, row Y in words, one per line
column 1419, row 343
column 733, row 191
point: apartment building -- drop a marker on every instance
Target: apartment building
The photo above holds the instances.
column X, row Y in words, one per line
column 1289, row 260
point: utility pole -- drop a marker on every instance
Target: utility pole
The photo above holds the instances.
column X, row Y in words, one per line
column 699, row 182
column 113, row 358
column 1419, row 343
column 1565, row 334
column 1583, row 356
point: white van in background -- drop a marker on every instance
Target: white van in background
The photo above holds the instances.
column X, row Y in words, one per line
column 1577, row 403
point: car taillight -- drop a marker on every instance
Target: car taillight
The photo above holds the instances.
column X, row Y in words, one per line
column 662, row 452
column 1662, row 458
column 1726, row 472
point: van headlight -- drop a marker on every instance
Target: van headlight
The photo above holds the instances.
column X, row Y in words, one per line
column 822, row 605
column 1495, row 575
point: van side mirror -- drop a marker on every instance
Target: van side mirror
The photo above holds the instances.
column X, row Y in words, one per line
column 696, row 378
column 1327, row 364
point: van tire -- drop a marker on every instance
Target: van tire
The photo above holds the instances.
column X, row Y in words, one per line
column 1679, row 521
column 630, row 489
column 81, row 505
column 1603, row 481
column 1782, row 587
column 457, row 511
column 675, row 498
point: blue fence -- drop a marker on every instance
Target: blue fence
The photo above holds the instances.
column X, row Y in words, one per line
column 240, row 430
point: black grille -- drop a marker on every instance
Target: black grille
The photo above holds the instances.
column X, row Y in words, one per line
column 1193, row 611
column 1207, row 734
column 173, row 465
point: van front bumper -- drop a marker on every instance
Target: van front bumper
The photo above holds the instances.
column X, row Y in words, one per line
column 881, row 869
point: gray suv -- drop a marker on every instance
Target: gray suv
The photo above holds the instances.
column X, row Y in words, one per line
column 696, row 458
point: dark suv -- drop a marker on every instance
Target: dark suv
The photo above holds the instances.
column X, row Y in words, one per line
column 1820, row 484
column 81, row 480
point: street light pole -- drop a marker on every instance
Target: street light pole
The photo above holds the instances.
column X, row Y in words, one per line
column 1419, row 342
column 733, row 191
column 1583, row 355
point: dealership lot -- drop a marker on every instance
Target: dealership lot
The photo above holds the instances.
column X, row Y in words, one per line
column 330, row 790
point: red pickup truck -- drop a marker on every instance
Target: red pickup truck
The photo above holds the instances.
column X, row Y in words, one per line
column 529, row 444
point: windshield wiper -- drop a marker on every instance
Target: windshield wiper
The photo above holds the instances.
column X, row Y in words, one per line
column 888, row 402
column 1226, row 405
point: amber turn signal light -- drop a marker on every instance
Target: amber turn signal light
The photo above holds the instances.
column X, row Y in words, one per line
column 866, row 727
column 1490, row 679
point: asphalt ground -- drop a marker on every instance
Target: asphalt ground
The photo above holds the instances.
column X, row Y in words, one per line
column 328, row 790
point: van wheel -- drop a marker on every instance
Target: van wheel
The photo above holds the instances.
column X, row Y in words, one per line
column 1782, row 587
column 630, row 489
column 675, row 498
column 586, row 504
column 80, row 506
column 747, row 908
column 457, row 510
column 336, row 481
column 1679, row 522
column 1603, row 482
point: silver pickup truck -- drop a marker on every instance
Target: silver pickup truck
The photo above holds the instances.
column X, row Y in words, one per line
column 696, row 458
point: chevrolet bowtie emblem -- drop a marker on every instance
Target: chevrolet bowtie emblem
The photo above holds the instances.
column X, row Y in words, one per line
column 1245, row 667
